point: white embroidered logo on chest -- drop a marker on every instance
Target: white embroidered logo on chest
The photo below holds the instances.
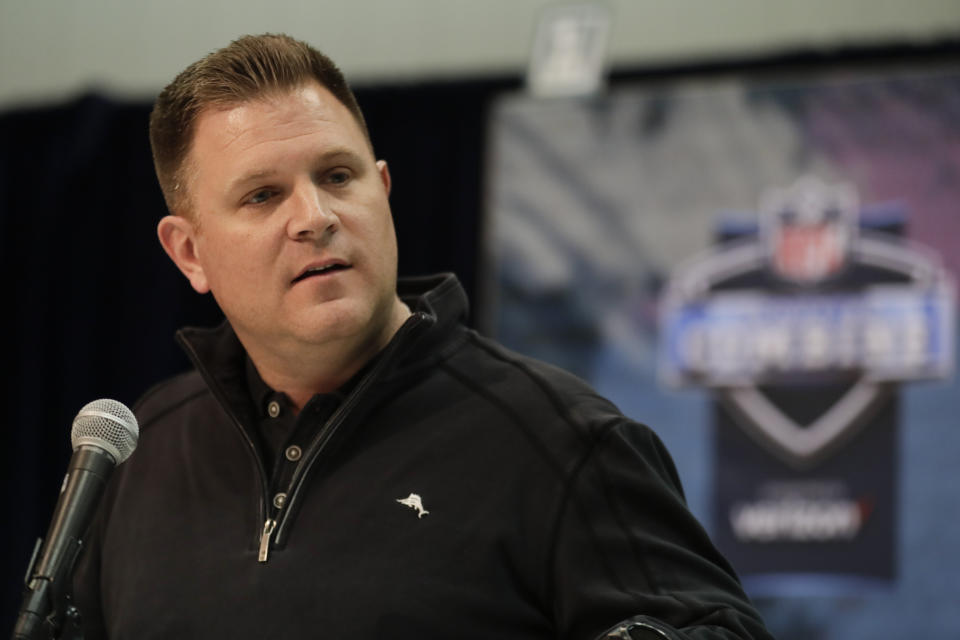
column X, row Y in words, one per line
column 414, row 502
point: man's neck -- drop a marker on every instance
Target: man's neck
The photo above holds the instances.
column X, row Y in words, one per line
column 302, row 371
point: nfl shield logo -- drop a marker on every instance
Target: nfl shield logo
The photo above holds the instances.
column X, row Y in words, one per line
column 809, row 229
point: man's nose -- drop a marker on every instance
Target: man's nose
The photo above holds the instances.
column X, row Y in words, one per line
column 312, row 216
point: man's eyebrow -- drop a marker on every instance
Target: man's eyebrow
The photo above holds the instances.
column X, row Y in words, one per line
column 253, row 176
column 339, row 153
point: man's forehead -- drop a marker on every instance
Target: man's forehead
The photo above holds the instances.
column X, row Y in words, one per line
column 277, row 114
column 233, row 120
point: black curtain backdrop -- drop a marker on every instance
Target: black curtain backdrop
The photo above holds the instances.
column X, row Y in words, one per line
column 92, row 301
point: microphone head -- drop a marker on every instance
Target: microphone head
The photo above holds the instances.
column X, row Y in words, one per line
column 106, row 424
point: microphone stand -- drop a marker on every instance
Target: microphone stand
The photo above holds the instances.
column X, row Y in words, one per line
column 46, row 601
column 46, row 613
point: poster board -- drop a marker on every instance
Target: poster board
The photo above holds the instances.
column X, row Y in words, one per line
column 602, row 210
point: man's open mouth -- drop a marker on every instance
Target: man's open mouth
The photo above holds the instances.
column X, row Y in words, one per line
column 319, row 271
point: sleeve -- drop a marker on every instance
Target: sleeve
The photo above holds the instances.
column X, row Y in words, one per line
column 630, row 560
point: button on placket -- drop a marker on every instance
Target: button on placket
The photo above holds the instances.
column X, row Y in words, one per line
column 273, row 409
column 279, row 500
column 293, row 453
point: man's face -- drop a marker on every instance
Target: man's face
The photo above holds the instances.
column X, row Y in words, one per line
column 293, row 233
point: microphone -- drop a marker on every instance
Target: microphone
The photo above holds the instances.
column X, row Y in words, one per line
column 104, row 434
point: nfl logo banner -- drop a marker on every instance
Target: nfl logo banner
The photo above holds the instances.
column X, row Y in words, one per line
column 804, row 328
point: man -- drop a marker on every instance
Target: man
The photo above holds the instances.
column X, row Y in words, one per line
column 347, row 460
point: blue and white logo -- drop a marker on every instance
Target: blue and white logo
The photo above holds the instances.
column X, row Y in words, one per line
column 813, row 296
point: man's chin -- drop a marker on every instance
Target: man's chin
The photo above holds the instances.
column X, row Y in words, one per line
column 339, row 319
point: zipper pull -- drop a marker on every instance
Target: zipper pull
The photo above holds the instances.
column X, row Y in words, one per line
column 268, row 528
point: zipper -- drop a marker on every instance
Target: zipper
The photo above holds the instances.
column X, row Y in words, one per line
column 258, row 463
column 336, row 420
column 268, row 528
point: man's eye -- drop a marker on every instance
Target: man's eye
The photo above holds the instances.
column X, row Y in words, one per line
column 259, row 197
column 339, row 177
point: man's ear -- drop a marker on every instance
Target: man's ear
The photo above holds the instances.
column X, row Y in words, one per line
column 178, row 236
column 384, row 174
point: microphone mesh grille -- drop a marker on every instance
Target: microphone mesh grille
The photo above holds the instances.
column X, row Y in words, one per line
column 107, row 424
